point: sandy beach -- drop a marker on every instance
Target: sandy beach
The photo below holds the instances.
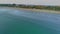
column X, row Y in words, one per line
column 40, row 10
column 36, row 10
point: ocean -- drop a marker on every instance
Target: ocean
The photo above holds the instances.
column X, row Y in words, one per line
column 13, row 21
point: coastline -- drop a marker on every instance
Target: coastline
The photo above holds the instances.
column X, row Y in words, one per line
column 35, row 10
column 40, row 10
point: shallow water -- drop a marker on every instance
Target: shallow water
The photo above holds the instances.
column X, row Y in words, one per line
column 13, row 21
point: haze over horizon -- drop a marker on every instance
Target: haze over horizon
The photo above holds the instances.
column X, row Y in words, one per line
column 31, row 2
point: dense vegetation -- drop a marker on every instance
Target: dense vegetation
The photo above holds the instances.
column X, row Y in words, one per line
column 32, row 6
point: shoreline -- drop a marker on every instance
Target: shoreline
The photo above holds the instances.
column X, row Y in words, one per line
column 35, row 10
column 40, row 10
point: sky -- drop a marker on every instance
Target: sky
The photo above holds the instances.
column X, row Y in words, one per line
column 33, row 2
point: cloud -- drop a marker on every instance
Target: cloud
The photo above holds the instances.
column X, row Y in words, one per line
column 35, row 2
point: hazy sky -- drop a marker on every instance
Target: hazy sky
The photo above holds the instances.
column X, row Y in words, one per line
column 35, row 2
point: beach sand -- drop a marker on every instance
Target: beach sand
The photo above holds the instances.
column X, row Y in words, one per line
column 35, row 10
column 40, row 10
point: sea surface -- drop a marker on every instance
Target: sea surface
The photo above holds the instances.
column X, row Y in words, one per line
column 14, row 21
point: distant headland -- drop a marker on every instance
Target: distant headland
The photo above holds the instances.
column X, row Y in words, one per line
column 56, row 8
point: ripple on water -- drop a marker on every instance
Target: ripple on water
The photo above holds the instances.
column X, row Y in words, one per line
column 26, row 22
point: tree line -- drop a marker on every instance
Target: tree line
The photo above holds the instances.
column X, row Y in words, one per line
column 32, row 6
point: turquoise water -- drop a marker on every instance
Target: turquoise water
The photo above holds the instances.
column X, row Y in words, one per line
column 13, row 21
